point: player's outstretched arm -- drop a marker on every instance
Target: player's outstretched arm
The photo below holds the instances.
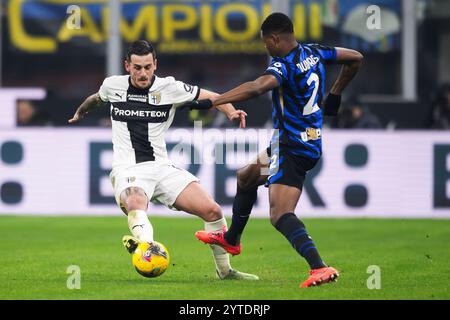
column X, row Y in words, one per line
column 226, row 108
column 243, row 92
column 351, row 61
column 247, row 90
column 92, row 102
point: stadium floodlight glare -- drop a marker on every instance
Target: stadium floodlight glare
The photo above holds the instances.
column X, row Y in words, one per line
column 409, row 50
column 1, row 48
column 281, row 6
column 114, row 45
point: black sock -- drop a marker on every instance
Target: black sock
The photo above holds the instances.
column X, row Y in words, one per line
column 294, row 230
column 242, row 207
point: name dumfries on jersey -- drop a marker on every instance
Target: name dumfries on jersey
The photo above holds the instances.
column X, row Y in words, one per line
column 308, row 63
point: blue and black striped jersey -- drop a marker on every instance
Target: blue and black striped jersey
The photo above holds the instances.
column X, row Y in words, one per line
column 296, row 101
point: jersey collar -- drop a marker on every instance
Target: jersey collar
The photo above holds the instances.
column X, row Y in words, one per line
column 293, row 50
column 139, row 89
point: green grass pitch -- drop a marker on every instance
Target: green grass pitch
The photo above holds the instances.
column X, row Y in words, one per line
column 413, row 256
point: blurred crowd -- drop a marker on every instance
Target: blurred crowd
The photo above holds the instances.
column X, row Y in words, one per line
column 440, row 117
column 355, row 115
column 28, row 114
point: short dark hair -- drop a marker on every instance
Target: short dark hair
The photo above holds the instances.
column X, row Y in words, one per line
column 277, row 22
column 140, row 48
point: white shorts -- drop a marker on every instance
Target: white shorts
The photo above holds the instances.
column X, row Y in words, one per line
column 161, row 182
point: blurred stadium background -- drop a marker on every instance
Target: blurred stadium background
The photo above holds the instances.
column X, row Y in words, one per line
column 387, row 154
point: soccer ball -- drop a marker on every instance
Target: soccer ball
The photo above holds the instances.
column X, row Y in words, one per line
column 151, row 259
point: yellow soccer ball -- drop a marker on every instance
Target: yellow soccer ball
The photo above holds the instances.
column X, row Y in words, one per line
column 151, row 259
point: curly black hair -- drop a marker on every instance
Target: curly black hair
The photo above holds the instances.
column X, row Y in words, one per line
column 277, row 22
column 140, row 48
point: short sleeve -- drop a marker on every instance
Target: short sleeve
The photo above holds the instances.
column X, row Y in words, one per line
column 183, row 92
column 327, row 54
column 278, row 70
column 103, row 91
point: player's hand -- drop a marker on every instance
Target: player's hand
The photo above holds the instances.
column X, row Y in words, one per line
column 332, row 104
column 238, row 114
column 76, row 117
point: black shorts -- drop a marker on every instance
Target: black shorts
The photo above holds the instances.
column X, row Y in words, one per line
column 288, row 169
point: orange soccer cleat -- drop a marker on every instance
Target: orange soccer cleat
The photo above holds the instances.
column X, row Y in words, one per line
column 218, row 239
column 320, row 276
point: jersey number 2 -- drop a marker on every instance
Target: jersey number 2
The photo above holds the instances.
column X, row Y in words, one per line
column 312, row 106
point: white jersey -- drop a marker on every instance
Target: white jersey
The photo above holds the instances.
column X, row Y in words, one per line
column 141, row 117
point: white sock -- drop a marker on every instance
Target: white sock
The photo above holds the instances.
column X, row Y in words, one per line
column 140, row 226
column 221, row 257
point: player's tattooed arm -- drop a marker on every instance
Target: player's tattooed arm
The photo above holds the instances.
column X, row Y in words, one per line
column 227, row 108
column 92, row 102
column 351, row 61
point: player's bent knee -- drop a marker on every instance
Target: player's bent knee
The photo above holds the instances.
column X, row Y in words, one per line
column 135, row 202
column 240, row 178
column 244, row 179
column 133, row 198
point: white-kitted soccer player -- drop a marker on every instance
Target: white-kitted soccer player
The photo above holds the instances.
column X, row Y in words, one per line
column 142, row 107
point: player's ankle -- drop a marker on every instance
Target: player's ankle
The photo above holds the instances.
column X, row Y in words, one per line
column 223, row 272
column 230, row 240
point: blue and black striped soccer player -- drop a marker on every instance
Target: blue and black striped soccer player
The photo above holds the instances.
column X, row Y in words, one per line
column 296, row 76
